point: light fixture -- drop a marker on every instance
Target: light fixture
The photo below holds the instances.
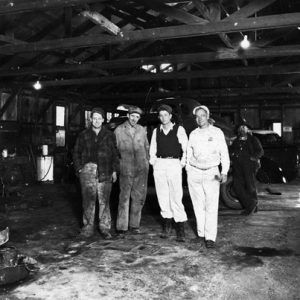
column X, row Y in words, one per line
column 245, row 43
column 37, row 85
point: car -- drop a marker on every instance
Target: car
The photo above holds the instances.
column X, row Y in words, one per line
column 279, row 164
column 280, row 160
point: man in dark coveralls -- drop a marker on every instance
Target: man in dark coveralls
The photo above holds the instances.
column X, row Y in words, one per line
column 96, row 162
column 246, row 152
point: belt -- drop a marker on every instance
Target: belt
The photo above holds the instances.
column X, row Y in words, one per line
column 204, row 169
column 170, row 157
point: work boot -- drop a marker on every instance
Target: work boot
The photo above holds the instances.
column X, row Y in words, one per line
column 86, row 232
column 180, row 232
column 167, row 228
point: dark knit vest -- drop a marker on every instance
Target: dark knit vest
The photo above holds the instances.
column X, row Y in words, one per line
column 168, row 145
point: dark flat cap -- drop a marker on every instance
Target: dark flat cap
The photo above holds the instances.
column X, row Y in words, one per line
column 98, row 110
column 135, row 110
column 165, row 107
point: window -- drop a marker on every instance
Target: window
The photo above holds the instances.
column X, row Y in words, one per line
column 60, row 126
column 87, row 118
column 60, row 116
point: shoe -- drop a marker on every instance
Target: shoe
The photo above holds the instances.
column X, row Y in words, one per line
column 135, row 230
column 198, row 240
column 167, row 228
column 180, row 232
column 250, row 212
column 106, row 235
column 86, row 232
column 121, row 234
column 210, row 244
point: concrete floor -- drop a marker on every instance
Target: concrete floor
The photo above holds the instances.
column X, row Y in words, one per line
column 256, row 257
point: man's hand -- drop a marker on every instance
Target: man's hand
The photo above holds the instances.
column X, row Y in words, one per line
column 223, row 178
column 114, row 177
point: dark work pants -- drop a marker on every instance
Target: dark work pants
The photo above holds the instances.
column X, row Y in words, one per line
column 129, row 212
column 244, row 183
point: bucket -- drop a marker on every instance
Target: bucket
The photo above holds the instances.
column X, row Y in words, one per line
column 4, row 153
column 45, row 150
column 45, row 168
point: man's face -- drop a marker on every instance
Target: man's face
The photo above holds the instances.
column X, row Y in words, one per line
column 201, row 118
column 97, row 120
column 164, row 117
column 133, row 118
column 243, row 130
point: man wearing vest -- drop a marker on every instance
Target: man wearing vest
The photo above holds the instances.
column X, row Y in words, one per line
column 133, row 147
column 168, row 157
column 206, row 150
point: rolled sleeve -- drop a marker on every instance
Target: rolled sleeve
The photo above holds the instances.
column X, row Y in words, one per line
column 153, row 148
column 183, row 140
column 224, row 154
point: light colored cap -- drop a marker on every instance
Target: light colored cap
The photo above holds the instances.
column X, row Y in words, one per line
column 135, row 109
column 203, row 107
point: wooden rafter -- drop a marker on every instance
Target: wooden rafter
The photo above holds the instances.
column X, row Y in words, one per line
column 13, row 7
column 174, row 13
column 227, row 72
column 170, row 32
column 99, row 19
column 228, row 54
column 202, row 93
column 9, row 100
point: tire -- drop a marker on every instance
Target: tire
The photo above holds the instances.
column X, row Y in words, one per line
column 227, row 195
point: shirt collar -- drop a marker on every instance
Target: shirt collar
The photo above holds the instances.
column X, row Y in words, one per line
column 171, row 127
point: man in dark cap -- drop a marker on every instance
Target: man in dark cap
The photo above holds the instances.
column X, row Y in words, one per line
column 246, row 151
column 96, row 162
column 133, row 147
column 168, row 157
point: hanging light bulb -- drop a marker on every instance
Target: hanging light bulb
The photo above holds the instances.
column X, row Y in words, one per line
column 37, row 85
column 245, row 43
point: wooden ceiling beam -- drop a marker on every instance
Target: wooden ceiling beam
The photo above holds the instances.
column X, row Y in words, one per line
column 169, row 32
column 172, row 12
column 228, row 54
column 216, row 73
column 99, row 19
column 13, row 7
column 201, row 93
column 250, row 9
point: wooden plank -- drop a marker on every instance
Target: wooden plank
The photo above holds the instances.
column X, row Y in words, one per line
column 174, row 13
column 204, row 93
column 10, row 40
column 276, row 51
column 99, row 19
column 161, row 33
column 250, row 9
column 207, row 15
column 216, row 73
column 9, row 100
column 44, row 110
column 13, row 7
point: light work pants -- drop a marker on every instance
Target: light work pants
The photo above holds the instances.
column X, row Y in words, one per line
column 168, row 184
column 92, row 190
column 134, row 187
column 204, row 189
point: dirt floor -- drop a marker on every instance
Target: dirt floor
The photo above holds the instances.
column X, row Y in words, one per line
column 256, row 257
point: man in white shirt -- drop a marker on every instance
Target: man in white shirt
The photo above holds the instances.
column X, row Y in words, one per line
column 206, row 150
column 168, row 157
